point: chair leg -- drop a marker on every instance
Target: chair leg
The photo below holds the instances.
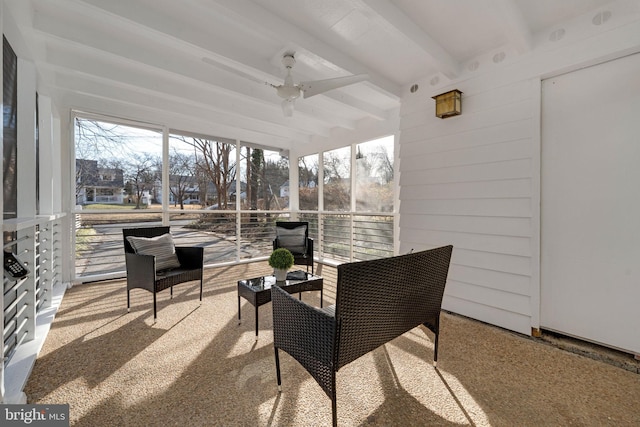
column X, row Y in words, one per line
column 200, row 289
column 278, row 370
column 334, row 403
column 171, row 292
column 128, row 301
column 435, row 350
column 155, row 306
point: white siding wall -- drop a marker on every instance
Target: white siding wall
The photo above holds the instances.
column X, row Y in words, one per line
column 474, row 180
column 469, row 181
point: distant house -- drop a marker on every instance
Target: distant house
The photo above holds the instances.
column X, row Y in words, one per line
column 98, row 185
column 193, row 192
column 284, row 189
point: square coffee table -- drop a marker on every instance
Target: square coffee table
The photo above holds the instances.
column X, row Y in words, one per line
column 258, row 290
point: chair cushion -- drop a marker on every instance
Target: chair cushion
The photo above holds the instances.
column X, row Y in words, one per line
column 161, row 247
column 293, row 239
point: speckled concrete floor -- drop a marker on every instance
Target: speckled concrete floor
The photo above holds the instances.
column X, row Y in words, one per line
column 198, row 367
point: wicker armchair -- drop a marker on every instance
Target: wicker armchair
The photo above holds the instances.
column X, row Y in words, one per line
column 302, row 250
column 376, row 302
column 141, row 269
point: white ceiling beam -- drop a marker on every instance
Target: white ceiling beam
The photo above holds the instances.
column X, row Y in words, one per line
column 253, row 15
column 223, row 88
column 105, row 87
column 113, row 97
column 396, row 20
column 176, row 60
column 516, row 29
column 91, row 103
column 250, row 17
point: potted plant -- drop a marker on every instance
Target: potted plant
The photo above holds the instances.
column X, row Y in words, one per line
column 281, row 260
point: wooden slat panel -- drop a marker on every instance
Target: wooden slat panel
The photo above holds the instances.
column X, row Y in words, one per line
column 490, row 279
column 427, row 143
column 496, row 298
column 504, row 318
column 518, row 227
column 498, row 152
column 471, row 190
column 510, row 169
column 482, row 207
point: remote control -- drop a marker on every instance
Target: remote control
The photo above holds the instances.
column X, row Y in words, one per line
column 13, row 267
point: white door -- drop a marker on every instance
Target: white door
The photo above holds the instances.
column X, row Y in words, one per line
column 590, row 213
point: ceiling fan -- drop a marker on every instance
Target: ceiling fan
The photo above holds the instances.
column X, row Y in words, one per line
column 290, row 91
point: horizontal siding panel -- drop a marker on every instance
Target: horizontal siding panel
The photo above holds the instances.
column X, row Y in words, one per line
column 512, row 150
column 504, row 132
column 502, row 318
column 483, row 98
column 520, row 227
column 417, row 115
column 469, row 190
column 519, row 246
column 511, row 169
column 418, row 106
column 478, row 207
column 514, row 264
column 491, row 279
column 435, row 127
column 520, row 304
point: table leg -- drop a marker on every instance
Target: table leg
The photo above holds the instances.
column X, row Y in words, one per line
column 320, row 298
column 239, row 319
column 256, row 322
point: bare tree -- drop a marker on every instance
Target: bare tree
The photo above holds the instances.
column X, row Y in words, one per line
column 214, row 160
column 212, row 163
column 181, row 175
column 336, row 194
column 99, row 146
column 257, row 160
column 336, row 166
column 95, row 140
column 307, row 174
column 141, row 175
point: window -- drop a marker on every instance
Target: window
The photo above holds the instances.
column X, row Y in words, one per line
column 202, row 172
column 117, row 166
column 10, row 144
column 347, row 234
column 374, row 176
column 308, row 182
column 337, row 179
column 265, row 174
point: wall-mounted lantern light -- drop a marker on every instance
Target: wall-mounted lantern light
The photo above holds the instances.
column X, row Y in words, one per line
column 448, row 104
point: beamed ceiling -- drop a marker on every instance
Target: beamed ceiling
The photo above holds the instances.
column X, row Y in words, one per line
column 197, row 65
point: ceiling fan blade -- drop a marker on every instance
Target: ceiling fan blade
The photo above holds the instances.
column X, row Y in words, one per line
column 320, row 86
column 235, row 71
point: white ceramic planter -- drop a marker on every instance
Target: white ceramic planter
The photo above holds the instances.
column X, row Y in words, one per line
column 281, row 275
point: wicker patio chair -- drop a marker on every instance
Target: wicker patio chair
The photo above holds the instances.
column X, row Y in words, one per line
column 376, row 301
column 154, row 274
column 294, row 235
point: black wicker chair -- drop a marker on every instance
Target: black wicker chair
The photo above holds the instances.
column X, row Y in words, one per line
column 303, row 250
column 376, row 301
column 141, row 269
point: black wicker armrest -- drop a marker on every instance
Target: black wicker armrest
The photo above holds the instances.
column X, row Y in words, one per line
column 141, row 271
column 190, row 257
column 303, row 331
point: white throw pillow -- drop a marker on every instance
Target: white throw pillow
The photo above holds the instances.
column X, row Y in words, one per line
column 161, row 247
